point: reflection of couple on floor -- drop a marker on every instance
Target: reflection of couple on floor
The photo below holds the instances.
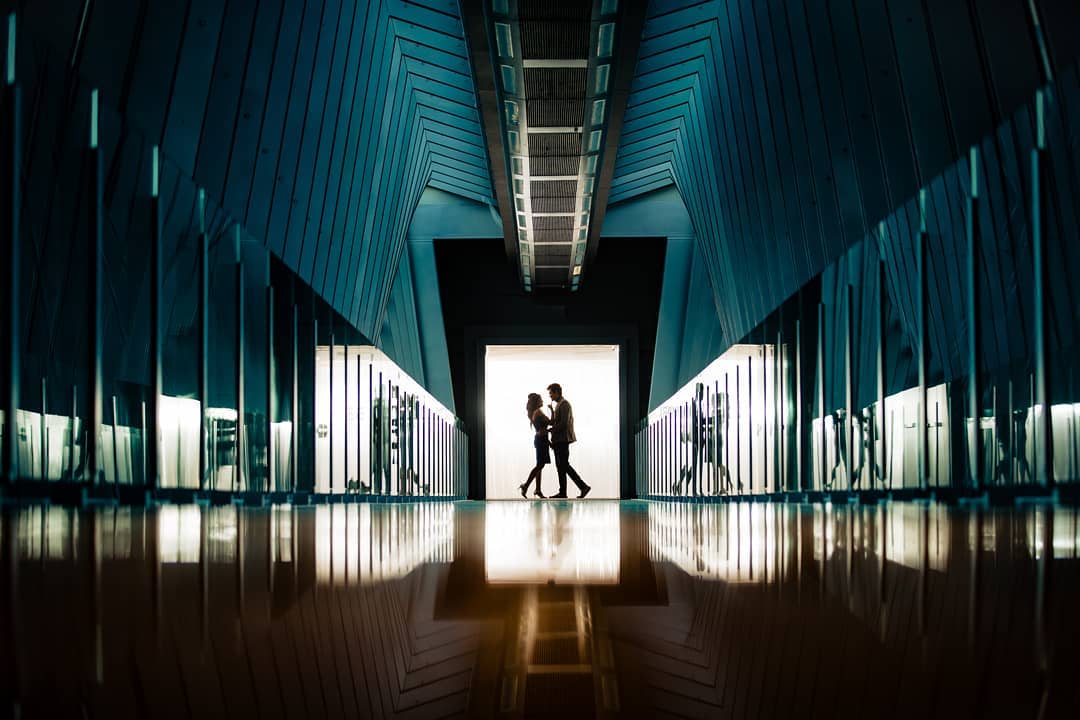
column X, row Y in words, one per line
column 560, row 427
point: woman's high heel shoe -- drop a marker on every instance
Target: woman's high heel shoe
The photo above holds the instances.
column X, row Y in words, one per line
column 522, row 488
column 539, row 494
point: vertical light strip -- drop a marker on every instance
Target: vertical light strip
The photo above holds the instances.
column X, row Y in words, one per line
column 11, row 50
column 93, row 119
column 155, row 171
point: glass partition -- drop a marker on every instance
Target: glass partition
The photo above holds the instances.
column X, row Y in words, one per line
column 379, row 432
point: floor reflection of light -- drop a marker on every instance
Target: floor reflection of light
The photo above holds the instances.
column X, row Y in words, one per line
column 281, row 533
column 542, row 542
column 221, row 531
column 734, row 543
column 46, row 532
column 367, row 543
column 178, row 533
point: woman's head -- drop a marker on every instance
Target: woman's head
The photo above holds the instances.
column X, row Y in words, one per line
column 534, row 403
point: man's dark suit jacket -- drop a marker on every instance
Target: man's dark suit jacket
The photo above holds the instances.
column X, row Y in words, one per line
column 562, row 423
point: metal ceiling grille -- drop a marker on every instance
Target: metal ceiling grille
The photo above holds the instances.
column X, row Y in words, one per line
column 550, row 224
column 554, row 204
column 553, row 236
column 554, row 165
column 554, row 113
column 553, row 188
column 553, row 62
column 544, row 83
column 555, row 144
column 558, row 40
column 553, row 254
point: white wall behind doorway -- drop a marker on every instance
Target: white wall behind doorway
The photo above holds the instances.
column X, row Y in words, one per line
column 589, row 375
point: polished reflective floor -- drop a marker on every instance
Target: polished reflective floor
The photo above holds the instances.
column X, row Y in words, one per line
column 541, row 609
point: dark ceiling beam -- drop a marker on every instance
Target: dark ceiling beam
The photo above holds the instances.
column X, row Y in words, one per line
column 629, row 27
column 479, row 42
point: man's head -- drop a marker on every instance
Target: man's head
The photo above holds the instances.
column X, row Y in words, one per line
column 555, row 391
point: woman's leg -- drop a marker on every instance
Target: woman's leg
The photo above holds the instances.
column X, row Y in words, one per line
column 533, row 474
column 539, row 470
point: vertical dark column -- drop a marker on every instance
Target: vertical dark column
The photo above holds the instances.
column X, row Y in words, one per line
column 238, row 471
column 1043, row 432
column 717, row 419
column 345, row 420
column 43, row 429
column 821, row 389
column 657, row 462
column 425, row 448
column 974, row 331
column 144, row 435
column 9, row 268
column 408, row 435
column 764, row 416
column 94, row 301
column 359, row 423
column 849, row 385
column 669, row 446
column 294, row 464
column 881, row 427
column 380, row 441
column 779, row 418
column 750, row 422
column 115, row 443
column 799, row 480
column 726, row 422
column 738, row 433
column 204, row 336
column 395, row 446
column 680, row 446
column 271, row 376
column 373, row 431
column 71, row 436
column 330, row 414
column 923, row 344
column 153, row 469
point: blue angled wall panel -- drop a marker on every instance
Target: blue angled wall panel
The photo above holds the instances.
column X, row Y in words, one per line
column 793, row 128
column 314, row 124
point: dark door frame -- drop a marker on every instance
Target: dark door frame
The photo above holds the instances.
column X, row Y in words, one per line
column 479, row 337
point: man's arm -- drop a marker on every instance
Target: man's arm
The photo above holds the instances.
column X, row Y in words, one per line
column 559, row 420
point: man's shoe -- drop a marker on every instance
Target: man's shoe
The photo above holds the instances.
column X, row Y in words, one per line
column 585, row 492
column 558, row 495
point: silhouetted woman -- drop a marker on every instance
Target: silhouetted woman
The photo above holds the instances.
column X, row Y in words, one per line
column 539, row 421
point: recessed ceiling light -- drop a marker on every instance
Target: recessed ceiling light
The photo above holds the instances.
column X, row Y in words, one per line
column 504, row 40
column 606, row 40
column 603, row 75
column 598, row 108
column 508, row 79
column 594, row 140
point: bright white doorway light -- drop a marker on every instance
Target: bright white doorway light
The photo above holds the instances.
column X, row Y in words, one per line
column 589, row 375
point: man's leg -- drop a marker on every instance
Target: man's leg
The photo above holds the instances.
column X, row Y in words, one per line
column 581, row 486
column 562, row 462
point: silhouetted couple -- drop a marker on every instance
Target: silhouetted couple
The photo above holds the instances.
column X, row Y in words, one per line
column 560, row 426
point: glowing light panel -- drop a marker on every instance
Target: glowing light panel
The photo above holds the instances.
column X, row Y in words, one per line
column 589, row 375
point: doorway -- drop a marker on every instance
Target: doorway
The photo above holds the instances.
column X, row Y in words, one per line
column 589, row 375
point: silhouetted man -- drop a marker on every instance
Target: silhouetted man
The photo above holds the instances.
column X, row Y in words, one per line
column 562, row 434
